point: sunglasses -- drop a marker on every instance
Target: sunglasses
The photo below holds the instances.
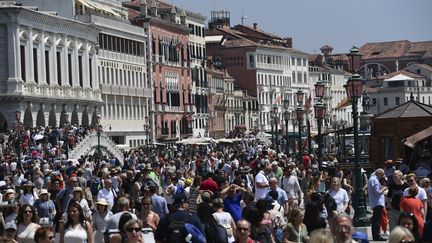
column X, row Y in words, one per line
column 28, row 211
column 10, row 230
column 133, row 229
column 410, row 180
column 407, row 214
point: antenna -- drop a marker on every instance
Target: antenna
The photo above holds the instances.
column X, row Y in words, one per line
column 243, row 19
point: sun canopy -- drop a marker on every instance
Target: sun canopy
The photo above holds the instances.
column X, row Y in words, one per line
column 412, row 140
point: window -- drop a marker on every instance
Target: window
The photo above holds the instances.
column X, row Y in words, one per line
column 59, row 70
column 80, row 71
column 90, row 73
column 385, row 101
column 47, row 67
column 35, row 65
column 397, row 101
column 374, row 101
column 70, row 68
column 23, row 61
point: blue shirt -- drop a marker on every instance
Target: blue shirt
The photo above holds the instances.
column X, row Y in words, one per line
column 159, row 205
column 376, row 196
column 44, row 208
column 232, row 206
column 282, row 196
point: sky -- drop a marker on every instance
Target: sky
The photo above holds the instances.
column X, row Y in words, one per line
column 338, row 23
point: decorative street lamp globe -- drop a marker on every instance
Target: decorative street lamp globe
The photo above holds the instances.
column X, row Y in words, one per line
column 319, row 89
column 320, row 110
column 300, row 96
column 286, row 104
column 354, row 87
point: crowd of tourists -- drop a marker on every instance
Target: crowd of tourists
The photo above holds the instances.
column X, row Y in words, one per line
column 233, row 192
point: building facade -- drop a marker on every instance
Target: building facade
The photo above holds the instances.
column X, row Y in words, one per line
column 169, row 68
column 48, row 69
column 121, row 66
column 216, row 101
column 261, row 63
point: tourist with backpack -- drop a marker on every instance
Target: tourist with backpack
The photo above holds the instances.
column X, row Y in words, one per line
column 172, row 228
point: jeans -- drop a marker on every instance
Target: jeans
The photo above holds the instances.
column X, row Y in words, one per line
column 376, row 221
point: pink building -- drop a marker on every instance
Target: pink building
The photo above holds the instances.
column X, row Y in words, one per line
column 169, row 71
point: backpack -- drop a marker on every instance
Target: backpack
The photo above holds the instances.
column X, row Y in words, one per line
column 176, row 229
column 214, row 232
column 96, row 185
column 329, row 202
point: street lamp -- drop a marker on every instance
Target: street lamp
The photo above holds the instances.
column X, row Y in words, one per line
column 294, row 123
column 66, row 128
column 299, row 114
column 146, row 129
column 18, row 139
column 287, row 117
column 354, row 88
column 276, row 122
column 98, row 126
column 320, row 112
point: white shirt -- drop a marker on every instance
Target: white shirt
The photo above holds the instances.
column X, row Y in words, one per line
column 420, row 195
column 340, row 197
column 108, row 195
column 261, row 193
column 291, row 186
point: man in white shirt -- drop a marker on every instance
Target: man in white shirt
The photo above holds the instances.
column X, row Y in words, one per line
column 262, row 183
column 107, row 193
column 340, row 196
column 291, row 186
column 422, row 195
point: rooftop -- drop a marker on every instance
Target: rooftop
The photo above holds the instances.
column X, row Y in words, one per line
column 409, row 109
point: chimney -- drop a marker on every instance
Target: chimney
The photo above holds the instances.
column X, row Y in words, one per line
column 183, row 17
column 153, row 8
column 143, row 8
column 173, row 14
column 255, row 25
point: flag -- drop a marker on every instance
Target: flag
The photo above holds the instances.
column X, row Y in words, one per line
column 343, row 103
column 308, row 103
column 277, row 100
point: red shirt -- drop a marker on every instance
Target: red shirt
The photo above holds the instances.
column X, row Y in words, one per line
column 414, row 206
column 209, row 185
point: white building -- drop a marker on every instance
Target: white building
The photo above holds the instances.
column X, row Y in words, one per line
column 48, row 68
column 280, row 74
column 197, row 54
column 121, row 66
column 397, row 88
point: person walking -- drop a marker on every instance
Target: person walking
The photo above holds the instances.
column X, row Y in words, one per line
column 376, row 201
column 395, row 193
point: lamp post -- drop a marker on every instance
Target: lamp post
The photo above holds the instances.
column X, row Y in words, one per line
column 287, row 116
column 146, row 130
column 354, row 88
column 299, row 114
column 66, row 128
column 320, row 110
column 98, row 125
column 276, row 122
column 294, row 123
column 18, row 139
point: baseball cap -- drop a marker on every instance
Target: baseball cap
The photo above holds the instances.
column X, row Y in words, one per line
column 10, row 225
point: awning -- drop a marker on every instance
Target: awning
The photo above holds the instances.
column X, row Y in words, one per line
column 412, row 140
column 86, row 4
column 100, row 7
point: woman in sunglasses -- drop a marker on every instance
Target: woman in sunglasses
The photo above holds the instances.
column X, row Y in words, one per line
column 133, row 231
column 26, row 225
column 401, row 235
column 408, row 221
